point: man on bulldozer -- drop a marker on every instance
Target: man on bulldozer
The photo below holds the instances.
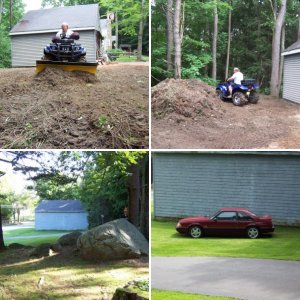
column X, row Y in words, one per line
column 65, row 32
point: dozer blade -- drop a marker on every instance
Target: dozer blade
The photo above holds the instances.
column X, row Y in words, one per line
column 67, row 66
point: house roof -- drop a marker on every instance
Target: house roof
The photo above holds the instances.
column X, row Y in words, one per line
column 50, row 20
column 60, row 206
column 293, row 49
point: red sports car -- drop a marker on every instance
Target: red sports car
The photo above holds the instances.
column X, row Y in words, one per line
column 227, row 221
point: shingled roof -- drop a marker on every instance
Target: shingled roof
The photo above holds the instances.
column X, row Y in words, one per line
column 293, row 49
column 60, row 206
column 49, row 20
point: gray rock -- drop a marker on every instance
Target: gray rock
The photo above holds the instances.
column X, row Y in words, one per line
column 125, row 294
column 117, row 239
column 41, row 250
column 69, row 239
column 18, row 246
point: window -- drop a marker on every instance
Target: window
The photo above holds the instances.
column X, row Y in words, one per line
column 243, row 217
column 226, row 216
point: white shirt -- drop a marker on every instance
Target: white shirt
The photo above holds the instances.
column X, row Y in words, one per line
column 68, row 33
column 237, row 77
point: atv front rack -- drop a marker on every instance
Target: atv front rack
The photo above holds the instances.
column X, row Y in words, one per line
column 67, row 66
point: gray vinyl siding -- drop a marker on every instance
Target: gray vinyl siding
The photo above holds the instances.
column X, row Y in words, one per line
column 189, row 184
column 291, row 78
column 28, row 48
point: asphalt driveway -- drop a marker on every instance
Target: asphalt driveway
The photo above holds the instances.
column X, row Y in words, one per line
column 251, row 279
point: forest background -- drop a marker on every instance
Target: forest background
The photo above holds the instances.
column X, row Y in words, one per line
column 206, row 39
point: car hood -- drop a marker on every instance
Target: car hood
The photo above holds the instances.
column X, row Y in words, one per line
column 194, row 219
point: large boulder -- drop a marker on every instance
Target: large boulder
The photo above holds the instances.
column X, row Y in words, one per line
column 42, row 250
column 69, row 239
column 117, row 239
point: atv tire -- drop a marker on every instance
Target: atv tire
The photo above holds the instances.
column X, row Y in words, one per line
column 82, row 59
column 220, row 95
column 239, row 99
column 253, row 98
column 47, row 57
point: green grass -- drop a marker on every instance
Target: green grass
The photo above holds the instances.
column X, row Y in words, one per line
column 126, row 58
column 161, row 295
column 31, row 231
column 66, row 277
column 31, row 241
column 283, row 244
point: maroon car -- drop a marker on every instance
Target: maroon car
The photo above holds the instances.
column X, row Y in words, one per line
column 227, row 221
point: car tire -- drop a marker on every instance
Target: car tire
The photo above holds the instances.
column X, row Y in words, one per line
column 195, row 232
column 253, row 232
column 238, row 99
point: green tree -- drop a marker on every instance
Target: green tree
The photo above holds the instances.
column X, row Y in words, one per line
column 17, row 13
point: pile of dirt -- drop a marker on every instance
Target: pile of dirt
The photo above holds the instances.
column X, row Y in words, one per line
column 188, row 98
column 189, row 115
column 59, row 109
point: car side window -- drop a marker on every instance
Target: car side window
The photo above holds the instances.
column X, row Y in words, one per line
column 244, row 217
column 226, row 216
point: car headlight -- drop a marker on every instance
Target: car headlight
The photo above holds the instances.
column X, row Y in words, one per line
column 178, row 225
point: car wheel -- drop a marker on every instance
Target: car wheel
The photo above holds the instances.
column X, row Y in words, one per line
column 238, row 99
column 195, row 232
column 253, row 232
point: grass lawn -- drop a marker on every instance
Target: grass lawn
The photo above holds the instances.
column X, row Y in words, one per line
column 126, row 58
column 14, row 236
column 66, row 277
column 283, row 244
column 161, row 295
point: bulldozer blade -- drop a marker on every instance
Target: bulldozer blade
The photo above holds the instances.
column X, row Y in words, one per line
column 67, row 66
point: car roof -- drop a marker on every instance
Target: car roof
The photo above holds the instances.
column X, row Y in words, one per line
column 233, row 209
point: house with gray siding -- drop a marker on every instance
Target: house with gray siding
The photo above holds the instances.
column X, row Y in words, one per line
column 37, row 27
column 61, row 215
column 291, row 73
column 200, row 183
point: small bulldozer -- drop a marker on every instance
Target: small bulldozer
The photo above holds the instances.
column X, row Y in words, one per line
column 64, row 53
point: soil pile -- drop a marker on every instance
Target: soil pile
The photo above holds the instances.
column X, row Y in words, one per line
column 188, row 98
column 59, row 109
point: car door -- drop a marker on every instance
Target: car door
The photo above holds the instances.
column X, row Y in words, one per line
column 225, row 223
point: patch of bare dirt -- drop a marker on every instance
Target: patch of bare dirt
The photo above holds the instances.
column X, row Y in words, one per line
column 182, row 119
column 59, row 109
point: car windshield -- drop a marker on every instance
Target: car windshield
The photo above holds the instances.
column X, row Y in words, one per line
column 252, row 213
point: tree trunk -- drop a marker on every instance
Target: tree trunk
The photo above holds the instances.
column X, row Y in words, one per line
column 140, row 36
column 1, row 7
column 215, row 36
column 2, row 246
column 228, row 41
column 117, row 31
column 299, row 23
column 144, row 215
column 177, row 39
column 10, row 14
column 276, row 46
column 281, row 57
column 134, row 195
column 170, row 35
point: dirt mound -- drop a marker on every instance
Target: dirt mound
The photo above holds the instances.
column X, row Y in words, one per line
column 59, row 109
column 189, row 98
column 58, row 77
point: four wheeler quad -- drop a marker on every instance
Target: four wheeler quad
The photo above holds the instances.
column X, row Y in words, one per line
column 242, row 93
column 64, row 49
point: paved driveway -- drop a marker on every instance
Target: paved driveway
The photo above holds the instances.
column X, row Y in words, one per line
column 251, row 279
